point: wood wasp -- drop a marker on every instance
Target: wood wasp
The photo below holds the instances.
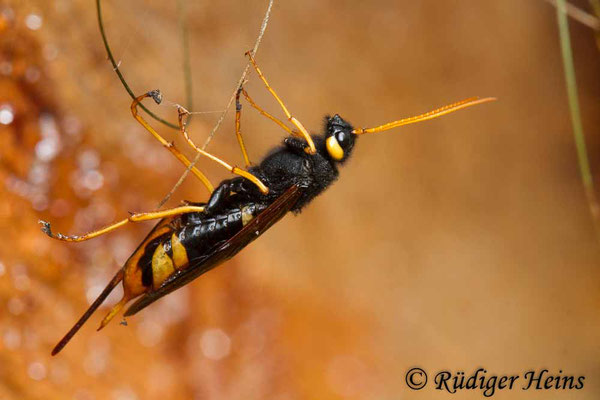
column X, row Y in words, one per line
column 191, row 239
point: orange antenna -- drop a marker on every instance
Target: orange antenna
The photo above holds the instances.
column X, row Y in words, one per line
column 450, row 108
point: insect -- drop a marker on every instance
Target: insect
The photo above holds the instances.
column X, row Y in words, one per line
column 193, row 238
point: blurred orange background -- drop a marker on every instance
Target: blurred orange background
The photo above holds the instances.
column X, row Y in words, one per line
column 454, row 244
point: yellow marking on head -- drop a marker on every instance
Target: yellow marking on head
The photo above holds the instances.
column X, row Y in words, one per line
column 334, row 149
column 246, row 215
column 180, row 258
column 162, row 266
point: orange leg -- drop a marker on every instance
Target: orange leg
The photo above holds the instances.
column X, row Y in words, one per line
column 238, row 131
column 311, row 146
column 155, row 94
column 238, row 112
column 133, row 218
column 233, row 169
column 266, row 114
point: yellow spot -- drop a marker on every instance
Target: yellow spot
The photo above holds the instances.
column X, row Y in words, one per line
column 246, row 215
column 334, row 149
column 180, row 258
column 162, row 266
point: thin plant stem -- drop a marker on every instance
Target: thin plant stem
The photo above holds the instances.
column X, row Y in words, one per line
column 118, row 71
column 187, row 69
column 241, row 81
column 595, row 4
column 580, row 15
column 584, row 166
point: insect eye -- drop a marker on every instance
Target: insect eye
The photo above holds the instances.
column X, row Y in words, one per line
column 341, row 137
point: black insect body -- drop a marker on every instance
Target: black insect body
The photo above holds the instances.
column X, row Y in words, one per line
column 235, row 202
column 289, row 170
column 196, row 237
column 291, row 165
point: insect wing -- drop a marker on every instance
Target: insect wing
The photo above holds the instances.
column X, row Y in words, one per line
column 223, row 252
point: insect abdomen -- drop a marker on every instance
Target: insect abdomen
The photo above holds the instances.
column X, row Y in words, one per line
column 170, row 255
column 174, row 250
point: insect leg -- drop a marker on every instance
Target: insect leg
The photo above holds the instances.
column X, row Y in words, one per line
column 155, row 94
column 238, row 112
column 266, row 114
column 223, row 192
column 238, row 132
column 133, row 218
column 233, row 169
column 292, row 119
